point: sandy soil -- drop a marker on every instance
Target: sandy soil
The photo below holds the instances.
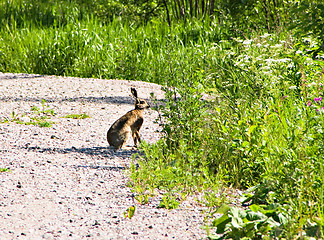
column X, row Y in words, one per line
column 65, row 183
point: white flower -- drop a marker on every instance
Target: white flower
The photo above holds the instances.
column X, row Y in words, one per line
column 266, row 35
column 266, row 68
column 284, row 60
column 270, row 60
column 312, row 84
column 247, row 42
column 277, row 46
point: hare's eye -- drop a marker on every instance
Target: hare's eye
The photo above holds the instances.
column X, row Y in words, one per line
column 142, row 102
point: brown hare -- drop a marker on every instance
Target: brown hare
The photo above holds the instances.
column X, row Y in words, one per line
column 127, row 125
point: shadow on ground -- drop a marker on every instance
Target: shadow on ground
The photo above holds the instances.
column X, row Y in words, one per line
column 92, row 151
column 108, row 100
column 109, row 168
column 115, row 100
column 8, row 76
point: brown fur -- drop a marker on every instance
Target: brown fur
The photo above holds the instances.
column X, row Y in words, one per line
column 127, row 125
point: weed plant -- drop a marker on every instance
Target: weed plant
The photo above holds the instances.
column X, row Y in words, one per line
column 77, row 116
column 4, row 170
column 38, row 116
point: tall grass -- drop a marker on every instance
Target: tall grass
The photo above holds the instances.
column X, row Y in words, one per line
column 117, row 50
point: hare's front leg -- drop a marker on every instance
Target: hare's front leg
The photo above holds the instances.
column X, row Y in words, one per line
column 136, row 137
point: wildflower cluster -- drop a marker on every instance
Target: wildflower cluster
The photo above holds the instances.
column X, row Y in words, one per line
column 319, row 102
column 315, row 96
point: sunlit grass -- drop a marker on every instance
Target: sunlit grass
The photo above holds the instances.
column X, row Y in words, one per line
column 117, row 50
column 77, row 116
column 4, row 170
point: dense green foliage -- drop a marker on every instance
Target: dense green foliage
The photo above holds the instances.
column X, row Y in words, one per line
column 244, row 96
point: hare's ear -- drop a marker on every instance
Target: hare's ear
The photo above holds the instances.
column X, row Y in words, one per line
column 134, row 92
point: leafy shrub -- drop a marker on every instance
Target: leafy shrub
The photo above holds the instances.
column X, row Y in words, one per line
column 257, row 222
column 262, row 127
column 310, row 22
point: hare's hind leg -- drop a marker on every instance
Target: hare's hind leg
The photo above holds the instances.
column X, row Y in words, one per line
column 123, row 139
column 118, row 140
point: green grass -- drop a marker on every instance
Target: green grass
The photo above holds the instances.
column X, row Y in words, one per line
column 117, row 50
column 4, row 170
column 77, row 116
column 241, row 111
column 38, row 116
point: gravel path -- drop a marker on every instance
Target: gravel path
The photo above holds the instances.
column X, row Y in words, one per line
column 65, row 183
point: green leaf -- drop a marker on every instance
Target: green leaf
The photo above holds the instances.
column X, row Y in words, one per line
column 272, row 222
column 250, row 226
column 223, row 226
column 4, row 169
column 221, row 219
column 283, row 219
column 237, row 212
column 238, row 216
column 251, row 129
column 255, row 216
column 255, row 207
column 237, row 222
column 130, row 212
column 223, row 209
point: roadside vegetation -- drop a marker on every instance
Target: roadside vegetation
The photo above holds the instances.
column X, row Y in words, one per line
column 39, row 116
column 244, row 97
column 77, row 116
column 4, row 170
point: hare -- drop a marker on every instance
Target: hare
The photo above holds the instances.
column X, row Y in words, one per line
column 127, row 125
